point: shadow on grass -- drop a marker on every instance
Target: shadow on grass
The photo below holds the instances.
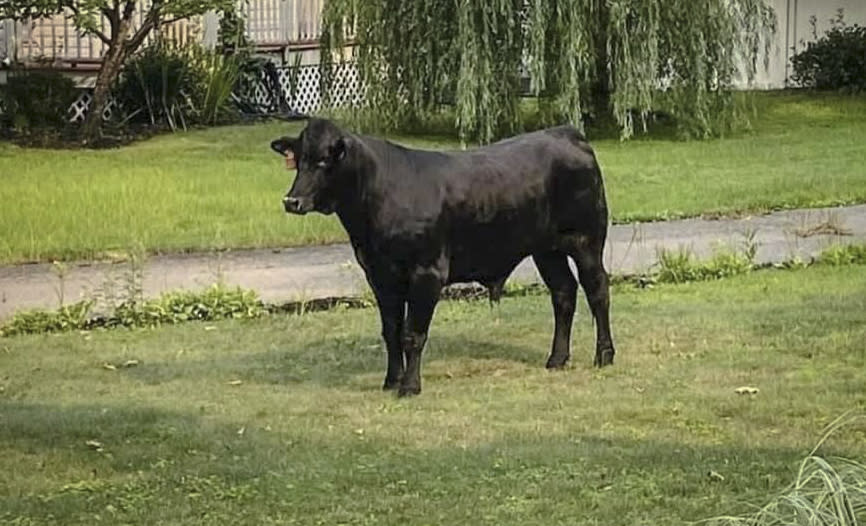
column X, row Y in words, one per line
column 165, row 465
column 334, row 363
column 109, row 437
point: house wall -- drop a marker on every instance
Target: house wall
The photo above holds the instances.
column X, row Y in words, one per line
column 54, row 39
column 4, row 41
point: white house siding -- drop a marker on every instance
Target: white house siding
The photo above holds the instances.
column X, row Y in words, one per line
column 5, row 38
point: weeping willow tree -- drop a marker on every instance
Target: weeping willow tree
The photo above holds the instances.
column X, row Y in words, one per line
column 620, row 58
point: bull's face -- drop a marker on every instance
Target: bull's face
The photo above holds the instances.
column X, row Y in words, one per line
column 317, row 159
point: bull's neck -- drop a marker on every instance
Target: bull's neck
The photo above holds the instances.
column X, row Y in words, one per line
column 355, row 222
column 354, row 208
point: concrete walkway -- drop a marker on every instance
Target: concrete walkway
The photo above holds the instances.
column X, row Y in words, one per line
column 315, row 272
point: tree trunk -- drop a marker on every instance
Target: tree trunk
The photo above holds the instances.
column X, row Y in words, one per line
column 108, row 74
column 115, row 56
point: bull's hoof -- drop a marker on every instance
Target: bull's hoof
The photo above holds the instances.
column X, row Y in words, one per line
column 391, row 384
column 603, row 358
column 557, row 361
column 409, row 390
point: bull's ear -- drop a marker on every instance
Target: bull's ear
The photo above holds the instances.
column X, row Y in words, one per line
column 284, row 146
column 338, row 150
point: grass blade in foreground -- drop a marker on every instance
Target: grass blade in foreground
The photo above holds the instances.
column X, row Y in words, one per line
column 826, row 492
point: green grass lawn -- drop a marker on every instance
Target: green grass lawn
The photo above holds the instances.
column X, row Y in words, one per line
column 221, row 188
column 306, row 437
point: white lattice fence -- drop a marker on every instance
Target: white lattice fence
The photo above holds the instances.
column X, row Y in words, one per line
column 304, row 98
column 299, row 87
column 79, row 108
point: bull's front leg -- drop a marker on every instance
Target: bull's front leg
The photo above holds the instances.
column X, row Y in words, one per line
column 391, row 298
column 392, row 309
column 390, row 295
column 424, row 289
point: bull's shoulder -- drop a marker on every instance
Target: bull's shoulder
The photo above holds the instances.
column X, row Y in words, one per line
column 571, row 146
column 568, row 133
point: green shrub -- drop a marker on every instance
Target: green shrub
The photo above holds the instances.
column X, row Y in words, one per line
column 217, row 75
column 176, row 86
column 232, row 35
column 836, row 61
column 38, row 100
column 152, row 83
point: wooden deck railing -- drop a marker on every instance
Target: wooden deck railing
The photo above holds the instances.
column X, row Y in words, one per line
column 269, row 24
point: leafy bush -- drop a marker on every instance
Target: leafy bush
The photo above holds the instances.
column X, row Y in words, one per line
column 232, row 35
column 152, row 83
column 216, row 76
column 67, row 318
column 178, row 85
column 836, row 61
column 216, row 303
column 38, row 100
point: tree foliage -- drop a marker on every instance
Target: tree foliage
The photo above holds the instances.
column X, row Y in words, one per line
column 625, row 58
column 127, row 31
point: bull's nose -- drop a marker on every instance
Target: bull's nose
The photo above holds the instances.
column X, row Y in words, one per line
column 292, row 204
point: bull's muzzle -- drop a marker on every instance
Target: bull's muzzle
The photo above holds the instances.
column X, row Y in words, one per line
column 296, row 205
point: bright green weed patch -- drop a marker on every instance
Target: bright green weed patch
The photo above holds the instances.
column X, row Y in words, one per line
column 216, row 302
column 281, row 420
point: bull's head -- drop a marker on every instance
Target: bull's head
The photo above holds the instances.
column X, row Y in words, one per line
column 317, row 155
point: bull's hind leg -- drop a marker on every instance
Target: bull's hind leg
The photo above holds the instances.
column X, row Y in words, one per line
column 594, row 280
column 554, row 270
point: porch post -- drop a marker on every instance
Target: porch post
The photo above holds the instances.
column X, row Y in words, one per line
column 209, row 29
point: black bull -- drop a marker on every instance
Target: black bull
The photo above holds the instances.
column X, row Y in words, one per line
column 419, row 220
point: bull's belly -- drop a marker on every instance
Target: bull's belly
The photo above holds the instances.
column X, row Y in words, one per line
column 488, row 252
column 483, row 265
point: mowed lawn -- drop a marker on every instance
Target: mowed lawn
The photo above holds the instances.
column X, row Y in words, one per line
column 281, row 421
column 221, row 188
